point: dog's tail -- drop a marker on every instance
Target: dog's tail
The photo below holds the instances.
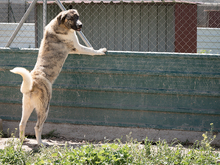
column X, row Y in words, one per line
column 27, row 83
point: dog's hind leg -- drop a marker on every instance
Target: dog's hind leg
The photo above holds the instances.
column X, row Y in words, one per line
column 27, row 109
column 41, row 117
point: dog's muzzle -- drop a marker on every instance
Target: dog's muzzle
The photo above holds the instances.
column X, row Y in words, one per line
column 78, row 25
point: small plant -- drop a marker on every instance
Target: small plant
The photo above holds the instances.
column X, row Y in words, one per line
column 13, row 153
column 204, row 51
column 117, row 153
column 208, row 138
column 1, row 134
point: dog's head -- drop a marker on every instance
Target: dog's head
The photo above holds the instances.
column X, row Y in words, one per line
column 70, row 19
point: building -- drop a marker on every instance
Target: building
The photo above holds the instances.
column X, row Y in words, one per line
column 133, row 26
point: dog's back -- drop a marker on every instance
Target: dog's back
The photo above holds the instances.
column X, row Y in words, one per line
column 52, row 53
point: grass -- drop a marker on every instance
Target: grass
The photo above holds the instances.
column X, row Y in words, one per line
column 116, row 153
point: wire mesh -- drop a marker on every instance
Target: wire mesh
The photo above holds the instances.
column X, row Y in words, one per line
column 189, row 26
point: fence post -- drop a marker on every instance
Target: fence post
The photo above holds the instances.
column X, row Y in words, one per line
column 44, row 13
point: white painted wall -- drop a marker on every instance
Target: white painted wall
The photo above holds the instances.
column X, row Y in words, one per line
column 24, row 39
column 208, row 40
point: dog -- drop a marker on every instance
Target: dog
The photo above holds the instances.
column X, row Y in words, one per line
column 59, row 40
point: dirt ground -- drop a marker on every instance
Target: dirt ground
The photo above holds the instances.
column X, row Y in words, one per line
column 31, row 144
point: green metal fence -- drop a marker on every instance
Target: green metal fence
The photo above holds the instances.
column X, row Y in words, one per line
column 127, row 89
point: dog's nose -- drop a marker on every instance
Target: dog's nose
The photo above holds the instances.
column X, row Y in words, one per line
column 79, row 24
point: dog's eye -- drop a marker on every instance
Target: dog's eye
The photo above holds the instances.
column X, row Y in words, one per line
column 75, row 17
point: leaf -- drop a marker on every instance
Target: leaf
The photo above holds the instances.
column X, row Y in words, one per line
column 54, row 154
column 114, row 146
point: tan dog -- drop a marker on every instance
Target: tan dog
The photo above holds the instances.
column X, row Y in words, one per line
column 59, row 40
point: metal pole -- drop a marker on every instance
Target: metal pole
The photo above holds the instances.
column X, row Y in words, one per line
column 21, row 23
column 78, row 32
column 44, row 13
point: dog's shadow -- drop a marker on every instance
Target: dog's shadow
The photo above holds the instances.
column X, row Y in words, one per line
column 31, row 144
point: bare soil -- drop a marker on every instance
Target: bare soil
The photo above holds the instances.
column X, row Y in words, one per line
column 31, row 144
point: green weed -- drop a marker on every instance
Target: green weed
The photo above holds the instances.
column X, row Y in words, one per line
column 203, row 51
column 13, row 153
column 87, row 154
column 116, row 153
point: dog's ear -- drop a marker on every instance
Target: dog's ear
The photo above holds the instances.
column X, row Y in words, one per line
column 61, row 17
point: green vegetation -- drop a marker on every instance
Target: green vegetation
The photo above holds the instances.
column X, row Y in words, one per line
column 131, row 152
column 203, row 51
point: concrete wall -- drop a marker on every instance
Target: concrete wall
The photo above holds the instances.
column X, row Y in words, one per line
column 106, row 133
column 208, row 40
column 24, row 39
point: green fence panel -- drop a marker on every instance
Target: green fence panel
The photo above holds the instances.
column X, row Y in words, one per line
column 127, row 89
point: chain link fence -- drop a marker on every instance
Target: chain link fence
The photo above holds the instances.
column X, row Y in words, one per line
column 189, row 26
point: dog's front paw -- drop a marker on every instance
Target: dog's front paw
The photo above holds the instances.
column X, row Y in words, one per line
column 102, row 51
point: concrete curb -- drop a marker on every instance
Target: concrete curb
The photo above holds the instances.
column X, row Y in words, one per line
column 98, row 133
column 1, row 127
